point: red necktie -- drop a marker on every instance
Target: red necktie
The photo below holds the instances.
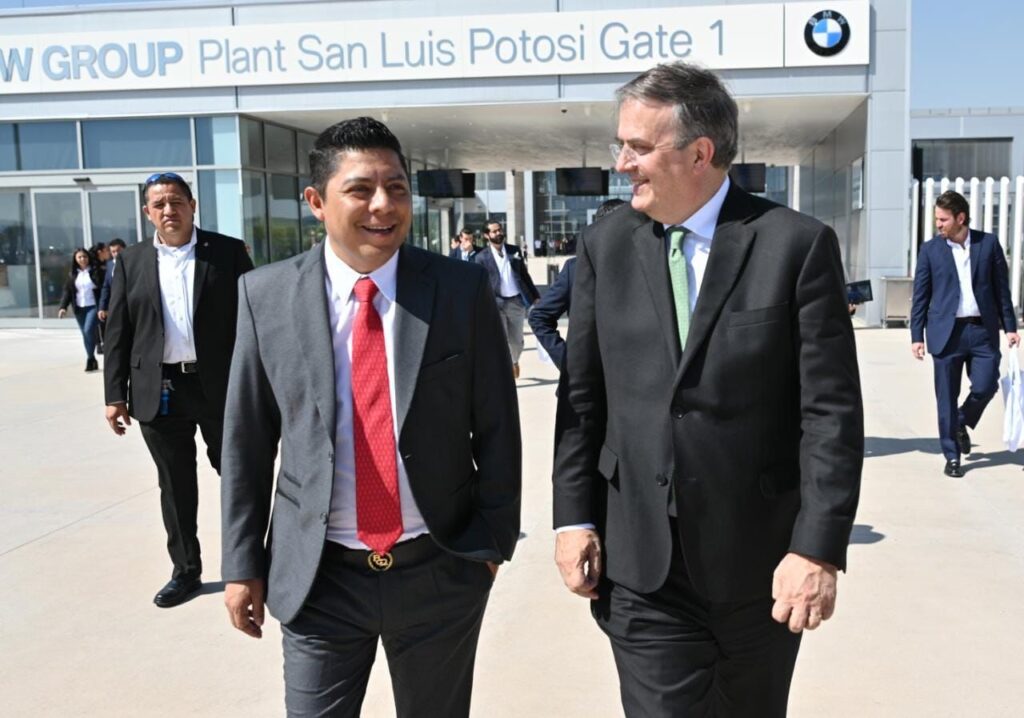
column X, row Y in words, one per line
column 378, row 510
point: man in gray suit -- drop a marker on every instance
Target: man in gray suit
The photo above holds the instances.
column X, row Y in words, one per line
column 380, row 370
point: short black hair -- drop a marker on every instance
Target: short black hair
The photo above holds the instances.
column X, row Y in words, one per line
column 118, row 242
column 166, row 178
column 466, row 231
column 360, row 133
column 956, row 203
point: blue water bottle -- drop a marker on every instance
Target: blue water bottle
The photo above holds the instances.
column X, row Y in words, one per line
column 165, row 397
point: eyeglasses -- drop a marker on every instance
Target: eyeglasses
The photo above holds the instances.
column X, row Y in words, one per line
column 631, row 154
column 162, row 176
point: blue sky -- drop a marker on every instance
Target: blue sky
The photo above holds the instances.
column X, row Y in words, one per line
column 964, row 53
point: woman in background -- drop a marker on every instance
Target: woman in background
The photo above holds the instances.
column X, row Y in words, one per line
column 81, row 290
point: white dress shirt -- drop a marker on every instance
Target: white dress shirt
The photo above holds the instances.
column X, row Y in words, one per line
column 85, row 294
column 700, row 230
column 968, row 305
column 509, row 285
column 342, row 306
column 176, row 267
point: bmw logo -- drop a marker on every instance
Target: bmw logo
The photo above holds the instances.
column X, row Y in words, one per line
column 827, row 33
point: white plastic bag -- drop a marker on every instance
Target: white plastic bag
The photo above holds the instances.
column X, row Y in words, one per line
column 1013, row 398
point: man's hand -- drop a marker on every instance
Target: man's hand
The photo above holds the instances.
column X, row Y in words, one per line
column 244, row 601
column 1013, row 339
column 494, row 568
column 917, row 349
column 578, row 555
column 102, row 315
column 804, row 590
column 116, row 413
column 61, row 313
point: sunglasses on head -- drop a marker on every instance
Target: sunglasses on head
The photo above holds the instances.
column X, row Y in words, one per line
column 163, row 176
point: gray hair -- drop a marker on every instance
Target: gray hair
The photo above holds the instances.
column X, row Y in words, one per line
column 703, row 107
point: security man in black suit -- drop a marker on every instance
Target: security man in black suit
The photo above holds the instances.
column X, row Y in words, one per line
column 170, row 334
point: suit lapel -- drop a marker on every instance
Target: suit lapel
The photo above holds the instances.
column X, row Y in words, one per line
column 313, row 326
column 729, row 249
column 649, row 244
column 202, row 266
column 414, row 305
column 150, row 276
column 976, row 240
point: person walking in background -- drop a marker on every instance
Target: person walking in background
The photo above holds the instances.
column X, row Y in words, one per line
column 961, row 300
column 513, row 288
column 465, row 250
column 705, row 491
column 81, row 289
column 116, row 245
column 170, row 334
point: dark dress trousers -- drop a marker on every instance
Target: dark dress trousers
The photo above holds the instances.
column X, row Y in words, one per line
column 527, row 289
column 753, row 433
column 955, row 343
column 458, row 437
column 134, row 371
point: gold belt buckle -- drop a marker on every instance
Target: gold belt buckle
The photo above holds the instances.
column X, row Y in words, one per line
column 380, row 561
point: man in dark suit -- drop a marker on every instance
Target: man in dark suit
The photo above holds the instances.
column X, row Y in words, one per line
column 962, row 299
column 464, row 250
column 116, row 245
column 398, row 492
column 714, row 458
column 513, row 288
column 170, row 333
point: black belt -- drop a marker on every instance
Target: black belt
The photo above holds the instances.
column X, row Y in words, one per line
column 514, row 296
column 182, row 367
column 968, row 320
column 401, row 554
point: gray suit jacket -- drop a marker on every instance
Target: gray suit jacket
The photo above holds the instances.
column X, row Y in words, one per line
column 458, row 420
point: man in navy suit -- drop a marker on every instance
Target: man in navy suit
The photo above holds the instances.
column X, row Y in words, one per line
column 962, row 296
column 464, row 249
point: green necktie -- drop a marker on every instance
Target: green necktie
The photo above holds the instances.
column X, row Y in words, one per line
column 680, row 281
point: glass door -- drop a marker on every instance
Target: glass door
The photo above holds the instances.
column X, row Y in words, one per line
column 59, row 230
column 114, row 213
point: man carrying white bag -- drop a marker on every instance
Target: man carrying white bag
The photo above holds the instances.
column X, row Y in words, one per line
column 1013, row 397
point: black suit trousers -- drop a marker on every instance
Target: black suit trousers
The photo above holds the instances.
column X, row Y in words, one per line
column 171, row 440
column 678, row 654
column 427, row 614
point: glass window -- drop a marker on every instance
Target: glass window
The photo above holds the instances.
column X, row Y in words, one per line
column 113, row 214
column 306, row 143
column 159, row 143
column 61, row 231
column 559, row 220
column 17, row 257
column 964, row 158
column 495, row 180
column 280, row 148
column 8, row 148
column 216, row 141
column 284, row 217
column 312, row 229
column 252, row 142
column 47, row 145
column 219, row 207
column 254, row 215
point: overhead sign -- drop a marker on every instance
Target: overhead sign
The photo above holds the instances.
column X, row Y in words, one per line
column 568, row 43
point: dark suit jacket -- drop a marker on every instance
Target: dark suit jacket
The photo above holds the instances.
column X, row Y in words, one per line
column 937, row 291
column 457, row 417
column 546, row 313
column 134, row 339
column 527, row 289
column 108, row 278
column 758, row 424
column 457, row 254
column 70, row 295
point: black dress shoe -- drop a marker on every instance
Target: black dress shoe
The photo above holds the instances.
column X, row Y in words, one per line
column 963, row 441
column 953, row 469
column 92, row 364
column 178, row 590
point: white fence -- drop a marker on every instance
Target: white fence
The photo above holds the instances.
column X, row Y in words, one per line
column 984, row 199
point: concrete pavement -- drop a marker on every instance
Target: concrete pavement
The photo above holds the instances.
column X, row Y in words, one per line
column 928, row 622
